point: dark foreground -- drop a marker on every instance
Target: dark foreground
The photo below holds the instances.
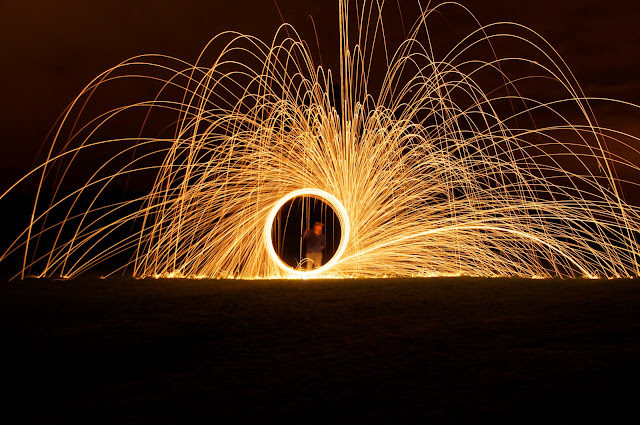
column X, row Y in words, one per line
column 356, row 351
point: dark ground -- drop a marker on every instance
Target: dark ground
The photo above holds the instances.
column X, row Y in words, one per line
column 355, row 351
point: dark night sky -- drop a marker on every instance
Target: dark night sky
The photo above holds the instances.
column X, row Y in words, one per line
column 52, row 49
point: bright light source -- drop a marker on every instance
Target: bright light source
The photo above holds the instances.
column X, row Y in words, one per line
column 340, row 211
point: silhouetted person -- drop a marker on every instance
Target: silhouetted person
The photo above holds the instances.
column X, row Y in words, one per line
column 315, row 245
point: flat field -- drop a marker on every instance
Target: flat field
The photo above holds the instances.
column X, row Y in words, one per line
column 446, row 350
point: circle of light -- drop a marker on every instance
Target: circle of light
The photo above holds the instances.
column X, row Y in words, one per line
column 334, row 203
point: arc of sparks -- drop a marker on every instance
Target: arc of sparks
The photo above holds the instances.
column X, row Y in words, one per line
column 448, row 166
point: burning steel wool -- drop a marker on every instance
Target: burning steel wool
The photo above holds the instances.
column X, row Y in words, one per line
column 448, row 166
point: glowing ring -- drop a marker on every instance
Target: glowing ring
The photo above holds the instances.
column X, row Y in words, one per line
column 333, row 202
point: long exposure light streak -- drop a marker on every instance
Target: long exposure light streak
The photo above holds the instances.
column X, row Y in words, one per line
column 343, row 217
column 448, row 163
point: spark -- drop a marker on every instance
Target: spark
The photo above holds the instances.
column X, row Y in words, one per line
column 438, row 170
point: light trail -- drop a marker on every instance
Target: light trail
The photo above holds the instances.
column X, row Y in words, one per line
column 448, row 166
column 343, row 217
